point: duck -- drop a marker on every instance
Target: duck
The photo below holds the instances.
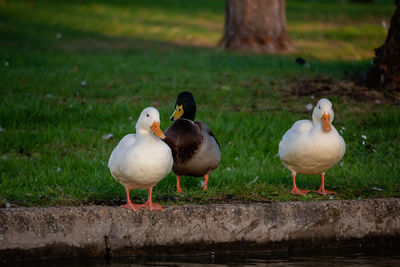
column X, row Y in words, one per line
column 141, row 160
column 195, row 150
column 312, row 147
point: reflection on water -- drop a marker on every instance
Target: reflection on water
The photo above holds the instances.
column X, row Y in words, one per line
column 377, row 256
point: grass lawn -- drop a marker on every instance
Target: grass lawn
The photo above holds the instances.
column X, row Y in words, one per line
column 74, row 71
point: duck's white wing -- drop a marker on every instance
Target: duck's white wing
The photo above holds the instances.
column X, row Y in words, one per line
column 119, row 151
column 292, row 138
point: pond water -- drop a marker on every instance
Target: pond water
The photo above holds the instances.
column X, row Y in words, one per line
column 376, row 256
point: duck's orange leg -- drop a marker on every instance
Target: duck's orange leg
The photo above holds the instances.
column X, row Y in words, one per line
column 322, row 190
column 150, row 205
column 295, row 190
column 129, row 204
column 178, row 184
column 205, row 182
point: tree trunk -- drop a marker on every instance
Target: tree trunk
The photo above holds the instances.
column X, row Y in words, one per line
column 385, row 72
column 256, row 25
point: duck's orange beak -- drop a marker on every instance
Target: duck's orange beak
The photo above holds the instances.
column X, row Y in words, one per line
column 157, row 130
column 326, row 124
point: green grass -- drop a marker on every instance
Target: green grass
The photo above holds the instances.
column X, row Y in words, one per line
column 59, row 96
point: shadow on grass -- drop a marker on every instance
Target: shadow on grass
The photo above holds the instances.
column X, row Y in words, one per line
column 47, row 36
column 42, row 38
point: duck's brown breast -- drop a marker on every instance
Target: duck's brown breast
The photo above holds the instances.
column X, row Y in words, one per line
column 184, row 138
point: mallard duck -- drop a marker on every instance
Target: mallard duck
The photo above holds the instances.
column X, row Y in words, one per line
column 312, row 147
column 194, row 147
column 141, row 160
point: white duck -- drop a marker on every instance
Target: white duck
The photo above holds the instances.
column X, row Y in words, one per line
column 141, row 160
column 312, row 147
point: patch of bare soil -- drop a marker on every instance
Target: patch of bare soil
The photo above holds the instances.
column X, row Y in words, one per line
column 171, row 199
column 325, row 86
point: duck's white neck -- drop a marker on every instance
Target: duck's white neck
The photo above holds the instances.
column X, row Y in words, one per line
column 315, row 119
column 316, row 122
column 318, row 128
column 143, row 132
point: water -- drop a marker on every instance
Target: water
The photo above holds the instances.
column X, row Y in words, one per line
column 377, row 256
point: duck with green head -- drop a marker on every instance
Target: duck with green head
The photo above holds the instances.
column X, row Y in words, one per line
column 195, row 149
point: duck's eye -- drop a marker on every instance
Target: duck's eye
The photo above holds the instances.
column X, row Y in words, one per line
column 319, row 107
column 147, row 115
column 179, row 110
